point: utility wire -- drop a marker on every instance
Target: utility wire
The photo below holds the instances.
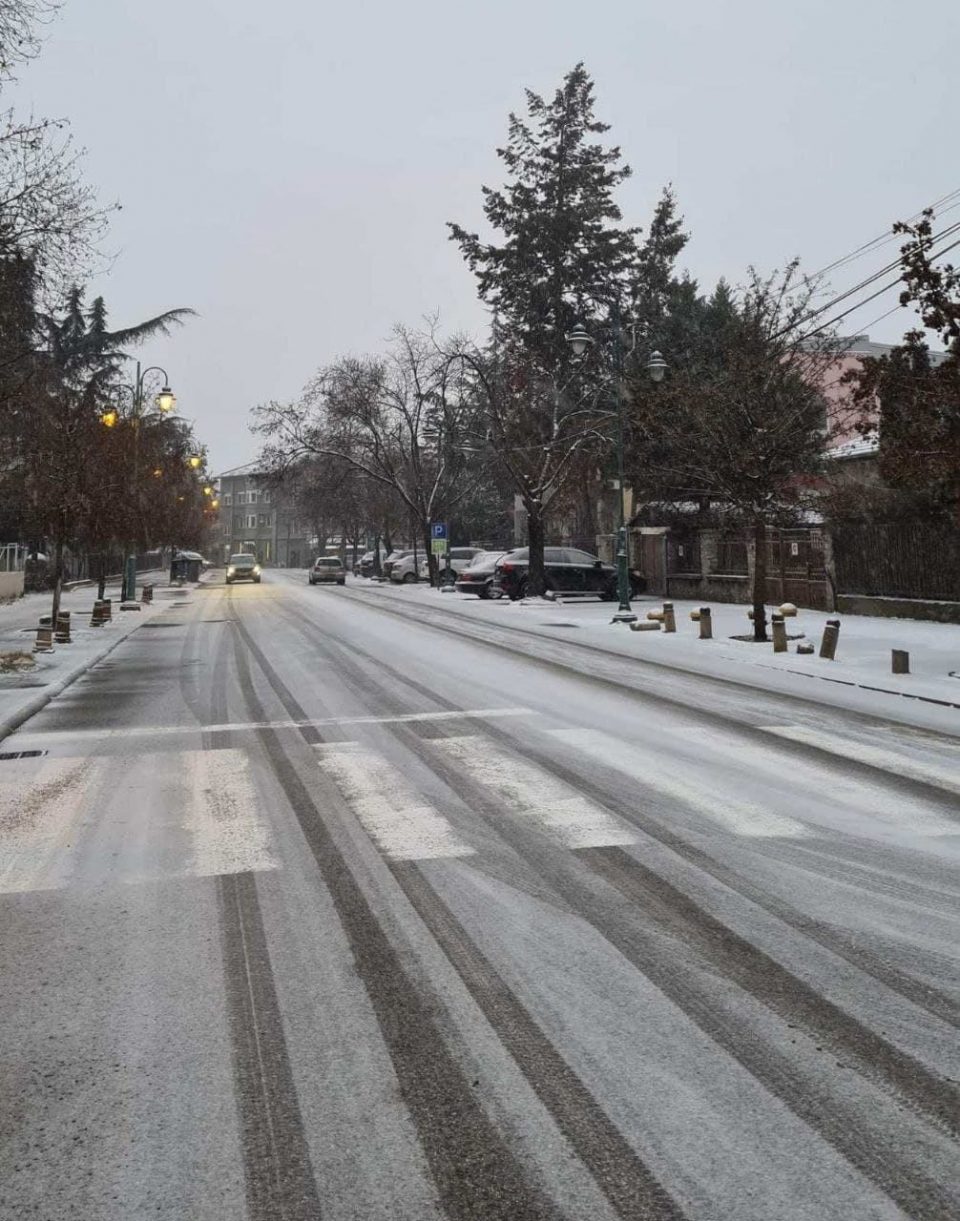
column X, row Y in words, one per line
column 884, row 238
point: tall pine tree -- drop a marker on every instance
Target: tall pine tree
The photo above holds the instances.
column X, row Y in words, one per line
column 562, row 254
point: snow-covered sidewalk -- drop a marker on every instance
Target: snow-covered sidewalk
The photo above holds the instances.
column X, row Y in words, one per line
column 863, row 656
column 23, row 692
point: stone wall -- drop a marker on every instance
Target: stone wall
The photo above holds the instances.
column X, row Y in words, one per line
column 899, row 608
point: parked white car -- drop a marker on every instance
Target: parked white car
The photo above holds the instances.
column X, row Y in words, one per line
column 405, row 572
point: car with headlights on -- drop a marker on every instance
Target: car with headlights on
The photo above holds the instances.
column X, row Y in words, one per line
column 243, row 568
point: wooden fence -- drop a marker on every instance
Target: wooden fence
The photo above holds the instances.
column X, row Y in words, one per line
column 898, row 560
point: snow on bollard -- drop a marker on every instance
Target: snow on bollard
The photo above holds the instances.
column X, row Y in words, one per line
column 639, row 626
column 899, row 661
column 665, row 616
column 788, row 610
column 831, row 634
column 779, row 633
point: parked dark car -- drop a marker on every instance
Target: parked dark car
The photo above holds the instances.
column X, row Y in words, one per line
column 568, row 571
column 365, row 566
column 327, row 570
column 477, row 577
column 243, row 568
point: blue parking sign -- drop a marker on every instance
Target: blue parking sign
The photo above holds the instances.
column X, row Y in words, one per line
column 438, row 529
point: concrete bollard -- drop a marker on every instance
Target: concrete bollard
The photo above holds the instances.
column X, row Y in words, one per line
column 805, row 647
column 106, row 611
column 669, row 618
column 831, row 634
column 44, row 641
column 779, row 629
column 62, row 635
column 146, row 594
column 706, row 623
column 639, row 626
column 129, row 606
column 900, row 661
column 96, row 615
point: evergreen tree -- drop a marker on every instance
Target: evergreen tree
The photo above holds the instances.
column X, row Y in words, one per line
column 562, row 255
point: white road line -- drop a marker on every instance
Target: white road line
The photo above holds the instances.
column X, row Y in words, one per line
column 396, row 817
column 651, row 769
column 154, row 731
column 877, row 756
column 530, row 791
column 222, row 814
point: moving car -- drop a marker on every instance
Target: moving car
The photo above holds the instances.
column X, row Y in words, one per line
column 327, row 570
column 568, row 571
column 243, row 568
column 478, row 576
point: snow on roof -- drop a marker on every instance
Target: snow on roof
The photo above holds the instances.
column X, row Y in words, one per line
column 862, row 447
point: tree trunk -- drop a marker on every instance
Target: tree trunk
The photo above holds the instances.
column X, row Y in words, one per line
column 759, row 581
column 377, row 570
column 57, row 581
column 102, row 581
column 536, row 577
column 433, row 570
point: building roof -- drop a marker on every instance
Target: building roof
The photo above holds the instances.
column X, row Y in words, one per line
column 250, row 468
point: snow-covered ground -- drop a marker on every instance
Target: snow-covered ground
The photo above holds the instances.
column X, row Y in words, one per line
column 24, row 691
column 863, row 656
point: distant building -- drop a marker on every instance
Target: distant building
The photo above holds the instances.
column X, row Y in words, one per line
column 253, row 520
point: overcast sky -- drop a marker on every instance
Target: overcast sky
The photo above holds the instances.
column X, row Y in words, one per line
column 286, row 169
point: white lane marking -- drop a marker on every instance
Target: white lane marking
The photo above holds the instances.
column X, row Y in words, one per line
column 877, row 756
column 397, row 818
column 221, row 816
column 153, row 731
column 533, row 793
column 41, row 804
column 654, row 770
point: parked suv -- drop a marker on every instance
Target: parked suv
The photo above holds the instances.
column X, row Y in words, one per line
column 399, row 553
column 327, row 570
column 567, row 570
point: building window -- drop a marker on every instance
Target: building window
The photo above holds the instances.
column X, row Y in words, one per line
column 252, row 497
column 241, row 498
column 251, row 521
column 265, row 497
column 227, row 499
column 264, row 519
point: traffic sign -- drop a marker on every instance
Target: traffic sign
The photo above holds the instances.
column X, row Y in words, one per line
column 438, row 529
column 438, row 546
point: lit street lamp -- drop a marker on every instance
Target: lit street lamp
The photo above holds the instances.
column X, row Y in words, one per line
column 164, row 402
column 580, row 340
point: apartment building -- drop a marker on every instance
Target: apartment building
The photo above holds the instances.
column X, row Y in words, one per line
column 253, row 520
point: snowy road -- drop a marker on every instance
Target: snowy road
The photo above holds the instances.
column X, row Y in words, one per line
column 308, row 909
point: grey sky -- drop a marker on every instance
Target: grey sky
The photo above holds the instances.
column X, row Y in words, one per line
column 287, row 168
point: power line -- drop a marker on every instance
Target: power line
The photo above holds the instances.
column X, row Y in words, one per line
column 872, row 297
column 884, row 238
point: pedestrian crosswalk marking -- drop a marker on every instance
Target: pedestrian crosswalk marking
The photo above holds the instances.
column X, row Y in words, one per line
column 396, row 817
column 221, row 815
column 531, row 792
column 644, row 764
column 941, row 775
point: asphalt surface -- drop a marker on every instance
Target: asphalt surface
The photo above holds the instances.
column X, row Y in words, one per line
column 313, row 908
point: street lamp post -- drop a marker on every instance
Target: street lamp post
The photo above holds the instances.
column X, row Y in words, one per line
column 165, row 402
column 580, row 340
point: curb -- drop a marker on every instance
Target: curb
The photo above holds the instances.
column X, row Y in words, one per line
column 30, row 709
